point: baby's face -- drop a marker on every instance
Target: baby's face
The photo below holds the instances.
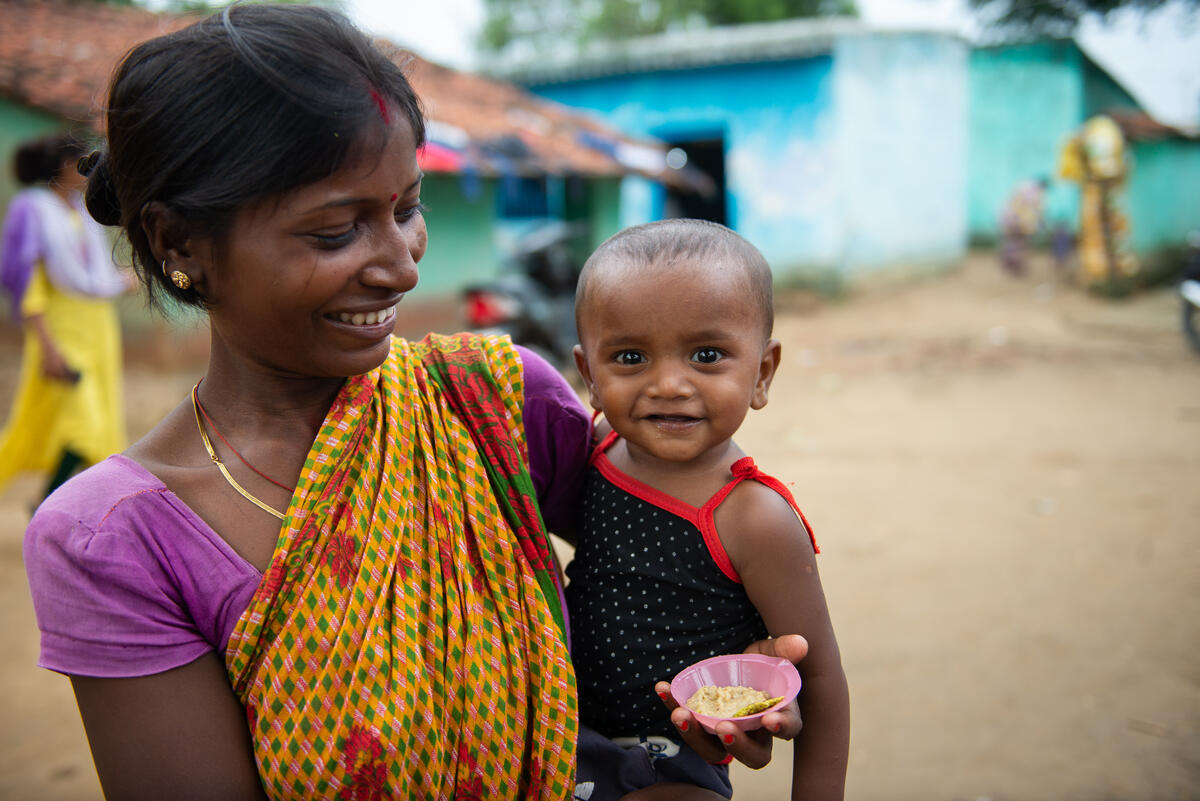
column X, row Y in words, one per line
column 675, row 356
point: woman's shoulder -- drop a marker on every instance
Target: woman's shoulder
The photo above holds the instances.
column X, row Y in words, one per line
column 101, row 490
column 125, row 578
column 544, row 383
column 114, row 511
column 117, row 513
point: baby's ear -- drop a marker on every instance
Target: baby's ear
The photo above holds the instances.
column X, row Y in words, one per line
column 767, row 366
column 585, row 372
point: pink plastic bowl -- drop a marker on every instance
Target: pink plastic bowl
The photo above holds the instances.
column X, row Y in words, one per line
column 772, row 675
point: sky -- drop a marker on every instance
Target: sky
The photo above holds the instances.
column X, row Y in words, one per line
column 1156, row 57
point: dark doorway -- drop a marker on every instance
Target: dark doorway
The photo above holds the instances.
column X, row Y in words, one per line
column 706, row 156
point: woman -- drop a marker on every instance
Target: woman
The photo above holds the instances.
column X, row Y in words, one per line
column 57, row 268
column 325, row 574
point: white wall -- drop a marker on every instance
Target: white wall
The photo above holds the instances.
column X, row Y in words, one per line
column 900, row 101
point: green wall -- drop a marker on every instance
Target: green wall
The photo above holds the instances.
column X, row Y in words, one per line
column 1102, row 93
column 606, row 209
column 1025, row 102
column 464, row 247
column 1162, row 197
column 461, row 246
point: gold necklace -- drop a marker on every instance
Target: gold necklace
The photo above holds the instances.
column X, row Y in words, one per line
column 221, row 466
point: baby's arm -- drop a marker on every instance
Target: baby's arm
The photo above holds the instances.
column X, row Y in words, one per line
column 773, row 555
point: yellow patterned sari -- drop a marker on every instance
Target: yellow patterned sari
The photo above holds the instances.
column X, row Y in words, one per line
column 407, row 640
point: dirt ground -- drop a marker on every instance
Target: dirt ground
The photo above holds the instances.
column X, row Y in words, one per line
column 1002, row 474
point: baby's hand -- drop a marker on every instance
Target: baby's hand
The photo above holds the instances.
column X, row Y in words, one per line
column 752, row 748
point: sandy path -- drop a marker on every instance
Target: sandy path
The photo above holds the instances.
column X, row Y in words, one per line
column 1002, row 475
column 1003, row 480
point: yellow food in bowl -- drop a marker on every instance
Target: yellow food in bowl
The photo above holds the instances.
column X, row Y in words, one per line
column 729, row 702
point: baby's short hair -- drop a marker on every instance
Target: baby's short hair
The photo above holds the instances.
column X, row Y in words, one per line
column 667, row 242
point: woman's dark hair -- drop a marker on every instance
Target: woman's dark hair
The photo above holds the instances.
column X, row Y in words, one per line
column 249, row 103
column 39, row 160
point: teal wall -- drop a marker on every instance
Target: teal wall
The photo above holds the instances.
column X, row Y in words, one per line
column 1162, row 197
column 1025, row 102
column 606, row 209
column 1102, row 93
column 468, row 241
column 462, row 248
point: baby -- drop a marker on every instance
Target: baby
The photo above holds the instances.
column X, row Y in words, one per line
column 686, row 549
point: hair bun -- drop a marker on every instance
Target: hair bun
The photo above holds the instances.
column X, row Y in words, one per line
column 88, row 163
column 101, row 196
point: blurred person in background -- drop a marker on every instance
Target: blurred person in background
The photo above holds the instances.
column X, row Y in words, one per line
column 1020, row 220
column 56, row 266
column 1062, row 246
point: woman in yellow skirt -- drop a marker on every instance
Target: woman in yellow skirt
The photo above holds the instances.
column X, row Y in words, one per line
column 56, row 265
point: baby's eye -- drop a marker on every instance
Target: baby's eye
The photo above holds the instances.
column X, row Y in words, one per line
column 629, row 357
column 707, row 355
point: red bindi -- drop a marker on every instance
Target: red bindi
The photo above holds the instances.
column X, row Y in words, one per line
column 395, row 195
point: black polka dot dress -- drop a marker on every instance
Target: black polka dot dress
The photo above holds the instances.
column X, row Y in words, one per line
column 651, row 591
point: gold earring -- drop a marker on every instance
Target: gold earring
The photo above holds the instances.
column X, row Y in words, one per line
column 178, row 278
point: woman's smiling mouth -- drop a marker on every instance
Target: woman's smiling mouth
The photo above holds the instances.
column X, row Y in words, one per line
column 365, row 318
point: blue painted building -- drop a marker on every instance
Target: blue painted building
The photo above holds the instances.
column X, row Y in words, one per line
column 1027, row 100
column 830, row 145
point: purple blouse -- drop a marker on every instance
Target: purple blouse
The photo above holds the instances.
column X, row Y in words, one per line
column 128, row 581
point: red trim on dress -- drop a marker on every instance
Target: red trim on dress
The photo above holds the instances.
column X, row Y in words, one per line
column 745, row 468
column 702, row 518
column 716, row 549
column 644, row 491
column 599, row 450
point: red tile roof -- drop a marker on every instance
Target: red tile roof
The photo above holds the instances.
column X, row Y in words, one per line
column 57, row 56
column 1138, row 126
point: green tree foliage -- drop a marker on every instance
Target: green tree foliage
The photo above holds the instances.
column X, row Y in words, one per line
column 1057, row 17
column 543, row 24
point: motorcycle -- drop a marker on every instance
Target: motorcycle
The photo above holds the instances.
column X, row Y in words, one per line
column 1189, row 290
column 533, row 297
